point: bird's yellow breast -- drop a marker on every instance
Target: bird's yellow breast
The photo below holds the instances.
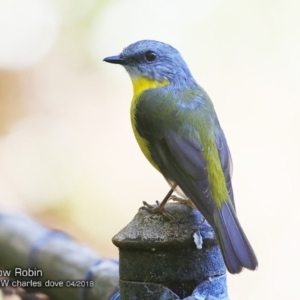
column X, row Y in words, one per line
column 140, row 85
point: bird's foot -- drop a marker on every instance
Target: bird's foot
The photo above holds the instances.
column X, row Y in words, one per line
column 184, row 201
column 159, row 209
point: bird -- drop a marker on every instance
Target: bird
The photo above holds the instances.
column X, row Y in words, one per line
column 177, row 129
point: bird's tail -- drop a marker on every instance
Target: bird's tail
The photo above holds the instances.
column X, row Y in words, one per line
column 236, row 249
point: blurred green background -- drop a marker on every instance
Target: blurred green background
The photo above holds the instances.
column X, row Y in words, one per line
column 67, row 153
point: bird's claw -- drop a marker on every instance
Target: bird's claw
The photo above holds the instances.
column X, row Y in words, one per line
column 159, row 209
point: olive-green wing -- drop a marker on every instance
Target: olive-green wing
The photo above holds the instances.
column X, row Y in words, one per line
column 180, row 157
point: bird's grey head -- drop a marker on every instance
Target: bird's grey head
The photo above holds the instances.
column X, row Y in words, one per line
column 154, row 60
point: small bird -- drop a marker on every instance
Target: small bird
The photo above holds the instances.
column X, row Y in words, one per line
column 178, row 131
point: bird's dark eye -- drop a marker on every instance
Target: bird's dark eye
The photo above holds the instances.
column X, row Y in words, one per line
column 150, row 56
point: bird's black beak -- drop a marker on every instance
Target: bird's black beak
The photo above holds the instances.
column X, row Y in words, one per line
column 117, row 59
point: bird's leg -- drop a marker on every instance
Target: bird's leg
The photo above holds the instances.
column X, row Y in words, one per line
column 185, row 201
column 160, row 208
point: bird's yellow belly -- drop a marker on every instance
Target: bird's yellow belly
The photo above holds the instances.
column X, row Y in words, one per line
column 140, row 85
column 143, row 143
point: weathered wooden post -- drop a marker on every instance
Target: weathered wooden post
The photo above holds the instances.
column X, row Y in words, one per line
column 160, row 259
